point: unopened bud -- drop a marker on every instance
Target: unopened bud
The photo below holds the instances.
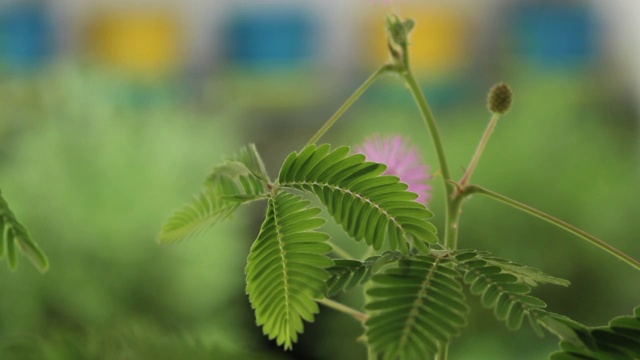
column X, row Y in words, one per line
column 398, row 32
column 500, row 98
column 398, row 29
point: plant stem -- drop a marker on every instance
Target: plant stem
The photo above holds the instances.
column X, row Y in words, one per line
column 371, row 354
column 347, row 104
column 452, row 203
column 361, row 317
column 475, row 189
column 450, row 234
column 430, row 122
column 481, row 145
column 443, row 353
column 340, row 251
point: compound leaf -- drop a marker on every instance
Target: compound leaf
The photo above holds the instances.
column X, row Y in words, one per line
column 525, row 274
column 346, row 274
column 286, row 268
column 415, row 308
column 368, row 205
column 503, row 286
column 619, row 340
column 239, row 180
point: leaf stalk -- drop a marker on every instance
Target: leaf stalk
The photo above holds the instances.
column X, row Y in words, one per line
column 347, row 104
column 360, row 316
column 475, row 189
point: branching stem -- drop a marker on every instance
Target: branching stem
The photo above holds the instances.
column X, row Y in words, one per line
column 475, row 189
column 361, row 317
column 347, row 104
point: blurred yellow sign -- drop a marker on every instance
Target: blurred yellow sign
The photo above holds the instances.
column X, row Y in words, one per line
column 143, row 42
column 438, row 42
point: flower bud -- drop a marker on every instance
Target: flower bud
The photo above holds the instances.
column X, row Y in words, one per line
column 397, row 29
column 500, row 98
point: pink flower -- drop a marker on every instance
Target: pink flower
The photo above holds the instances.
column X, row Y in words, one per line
column 402, row 161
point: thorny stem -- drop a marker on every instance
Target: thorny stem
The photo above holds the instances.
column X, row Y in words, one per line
column 481, row 145
column 475, row 189
column 347, row 104
column 361, row 317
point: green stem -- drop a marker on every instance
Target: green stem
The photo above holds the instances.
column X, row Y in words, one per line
column 475, row 189
column 452, row 204
column 361, row 317
column 347, row 104
column 427, row 116
column 371, row 354
column 340, row 251
column 476, row 156
column 443, row 352
column 453, row 221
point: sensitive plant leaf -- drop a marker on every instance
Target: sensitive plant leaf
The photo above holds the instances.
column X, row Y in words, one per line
column 204, row 211
column 415, row 308
column 500, row 289
column 346, row 274
column 286, row 268
column 370, row 206
column 231, row 184
column 526, row 274
column 619, row 340
column 15, row 237
column 250, row 157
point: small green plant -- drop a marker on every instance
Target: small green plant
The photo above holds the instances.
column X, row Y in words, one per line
column 413, row 280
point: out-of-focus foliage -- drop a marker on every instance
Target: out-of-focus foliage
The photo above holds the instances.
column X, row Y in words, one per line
column 93, row 176
column 15, row 237
column 133, row 342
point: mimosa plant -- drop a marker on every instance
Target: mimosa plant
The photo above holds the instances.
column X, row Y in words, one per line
column 413, row 278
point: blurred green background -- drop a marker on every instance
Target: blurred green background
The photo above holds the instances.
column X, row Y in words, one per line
column 112, row 116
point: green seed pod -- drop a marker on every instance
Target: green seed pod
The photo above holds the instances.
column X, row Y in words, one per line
column 500, row 98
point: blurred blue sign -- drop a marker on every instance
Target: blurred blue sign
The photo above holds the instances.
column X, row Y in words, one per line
column 25, row 40
column 554, row 34
column 275, row 38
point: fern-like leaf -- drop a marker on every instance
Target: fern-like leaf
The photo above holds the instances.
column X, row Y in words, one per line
column 250, row 157
column 239, row 180
column 286, row 268
column 526, row 274
column 346, row 274
column 619, row 340
column 15, row 237
column 366, row 204
column 415, row 308
column 503, row 286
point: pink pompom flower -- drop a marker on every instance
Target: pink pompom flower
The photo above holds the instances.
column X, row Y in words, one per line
column 402, row 160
